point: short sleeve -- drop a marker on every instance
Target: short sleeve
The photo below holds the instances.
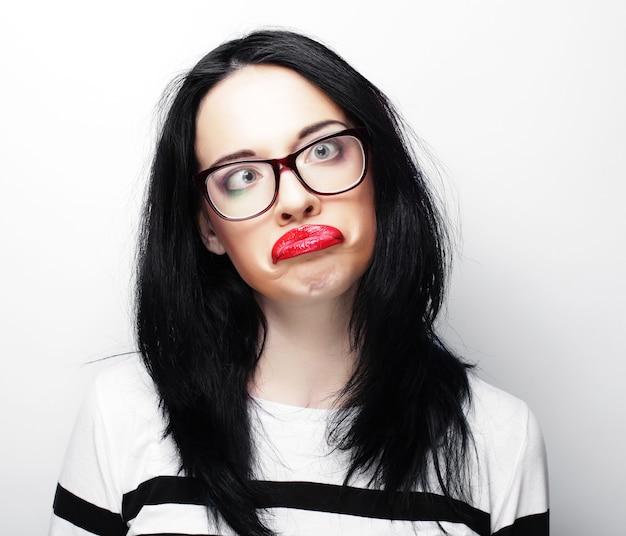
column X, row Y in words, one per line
column 524, row 509
column 89, row 496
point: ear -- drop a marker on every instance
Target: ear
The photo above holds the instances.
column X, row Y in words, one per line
column 207, row 233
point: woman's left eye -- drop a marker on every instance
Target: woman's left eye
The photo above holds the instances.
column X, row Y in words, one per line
column 324, row 151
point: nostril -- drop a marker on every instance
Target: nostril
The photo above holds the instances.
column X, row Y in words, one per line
column 285, row 216
column 308, row 209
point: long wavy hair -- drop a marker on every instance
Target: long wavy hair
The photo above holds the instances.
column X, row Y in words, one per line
column 200, row 330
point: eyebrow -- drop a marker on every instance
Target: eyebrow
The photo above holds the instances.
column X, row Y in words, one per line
column 305, row 132
column 316, row 127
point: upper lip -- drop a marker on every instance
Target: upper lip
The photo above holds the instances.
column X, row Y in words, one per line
column 305, row 239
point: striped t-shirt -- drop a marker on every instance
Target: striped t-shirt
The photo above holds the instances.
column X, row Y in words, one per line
column 121, row 476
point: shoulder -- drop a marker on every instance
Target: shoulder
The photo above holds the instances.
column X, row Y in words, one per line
column 121, row 406
column 493, row 406
column 126, row 376
column 512, row 468
column 118, row 443
column 499, row 417
column 122, row 380
column 119, row 422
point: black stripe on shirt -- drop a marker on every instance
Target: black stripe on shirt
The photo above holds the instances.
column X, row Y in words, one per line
column 534, row 525
column 161, row 490
column 86, row 515
column 414, row 506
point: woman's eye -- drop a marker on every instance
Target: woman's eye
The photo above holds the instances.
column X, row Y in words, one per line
column 324, row 151
column 240, row 179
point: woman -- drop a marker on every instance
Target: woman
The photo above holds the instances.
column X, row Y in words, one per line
column 285, row 310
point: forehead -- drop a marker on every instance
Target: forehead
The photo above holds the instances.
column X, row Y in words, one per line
column 260, row 107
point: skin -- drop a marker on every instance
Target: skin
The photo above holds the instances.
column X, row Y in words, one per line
column 268, row 112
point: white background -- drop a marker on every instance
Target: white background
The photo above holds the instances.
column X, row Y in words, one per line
column 522, row 102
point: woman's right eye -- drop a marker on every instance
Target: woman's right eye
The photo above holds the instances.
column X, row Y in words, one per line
column 239, row 180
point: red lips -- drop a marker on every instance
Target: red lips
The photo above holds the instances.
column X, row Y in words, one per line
column 305, row 239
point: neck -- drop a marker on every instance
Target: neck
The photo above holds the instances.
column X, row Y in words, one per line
column 307, row 359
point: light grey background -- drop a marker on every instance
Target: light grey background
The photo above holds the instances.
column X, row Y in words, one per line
column 522, row 102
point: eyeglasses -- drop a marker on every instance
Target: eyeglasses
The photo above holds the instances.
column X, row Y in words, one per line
column 328, row 166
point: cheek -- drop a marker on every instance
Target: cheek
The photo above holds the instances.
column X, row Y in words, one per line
column 247, row 252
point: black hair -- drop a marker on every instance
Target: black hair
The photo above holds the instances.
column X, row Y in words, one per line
column 200, row 330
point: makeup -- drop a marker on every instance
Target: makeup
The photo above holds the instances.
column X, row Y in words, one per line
column 305, row 239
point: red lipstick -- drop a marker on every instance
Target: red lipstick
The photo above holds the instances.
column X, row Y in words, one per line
column 305, row 239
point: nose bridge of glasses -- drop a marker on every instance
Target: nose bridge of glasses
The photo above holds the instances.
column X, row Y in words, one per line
column 286, row 188
column 288, row 162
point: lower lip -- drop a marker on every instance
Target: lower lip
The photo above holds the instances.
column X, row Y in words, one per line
column 305, row 239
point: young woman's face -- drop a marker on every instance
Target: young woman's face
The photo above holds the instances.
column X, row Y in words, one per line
column 306, row 247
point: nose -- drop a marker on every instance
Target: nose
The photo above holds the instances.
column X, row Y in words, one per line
column 294, row 201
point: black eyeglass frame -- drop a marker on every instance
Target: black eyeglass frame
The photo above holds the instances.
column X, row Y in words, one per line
column 289, row 162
